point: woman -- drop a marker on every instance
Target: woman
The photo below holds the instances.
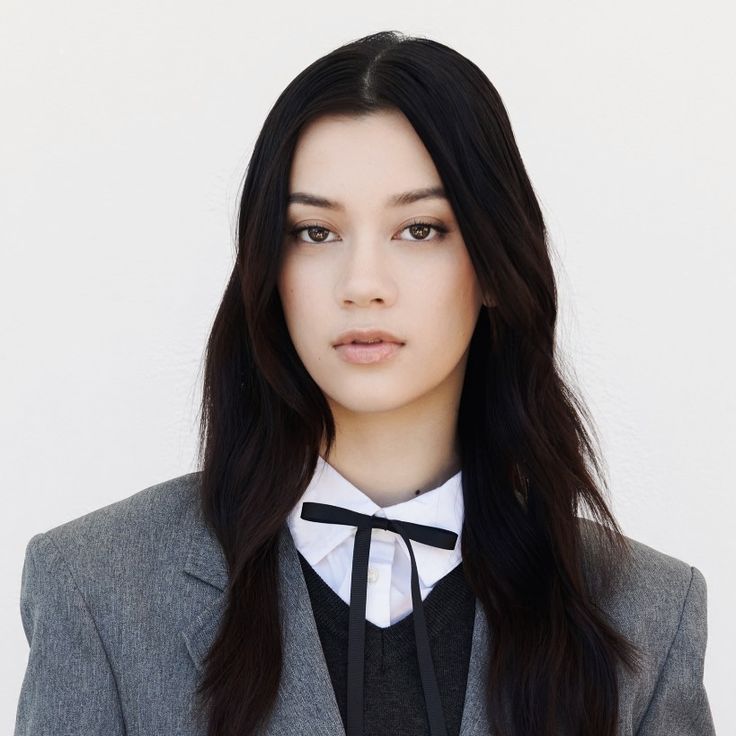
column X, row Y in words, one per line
column 386, row 534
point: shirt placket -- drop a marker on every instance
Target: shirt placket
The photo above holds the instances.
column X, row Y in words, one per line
column 380, row 563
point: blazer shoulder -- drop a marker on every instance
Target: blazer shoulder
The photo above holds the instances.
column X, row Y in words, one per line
column 149, row 507
column 105, row 599
column 651, row 592
column 645, row 573
column 126, row 538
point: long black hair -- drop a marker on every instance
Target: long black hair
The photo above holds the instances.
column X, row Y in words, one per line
column 530, row 466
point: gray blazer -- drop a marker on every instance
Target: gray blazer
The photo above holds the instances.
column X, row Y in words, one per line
column 120, row 606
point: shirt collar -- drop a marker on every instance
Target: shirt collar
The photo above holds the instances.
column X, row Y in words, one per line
column 441, row 507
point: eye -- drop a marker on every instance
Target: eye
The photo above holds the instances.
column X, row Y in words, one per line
column 418, row 228
column 314, row 231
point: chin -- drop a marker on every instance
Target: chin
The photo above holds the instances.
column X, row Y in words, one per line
column 367, row 401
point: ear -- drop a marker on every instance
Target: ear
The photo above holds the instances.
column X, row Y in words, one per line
column 489, row 301
column 488, row 298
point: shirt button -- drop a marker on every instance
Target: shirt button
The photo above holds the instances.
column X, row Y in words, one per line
column 372, row 575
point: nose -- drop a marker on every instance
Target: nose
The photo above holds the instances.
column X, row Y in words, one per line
column 366, row 276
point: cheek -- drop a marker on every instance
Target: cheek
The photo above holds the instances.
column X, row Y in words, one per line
column 290, row 294
column 291, row 290
column 455, row 303
column 302, row 299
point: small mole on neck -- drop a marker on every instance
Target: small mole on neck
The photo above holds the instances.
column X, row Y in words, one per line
column 417, row 492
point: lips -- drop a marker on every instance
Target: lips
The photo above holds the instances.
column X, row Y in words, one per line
column 376, row 352
column 366, row 336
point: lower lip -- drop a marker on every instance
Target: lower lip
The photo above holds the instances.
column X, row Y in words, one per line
column 374, row 353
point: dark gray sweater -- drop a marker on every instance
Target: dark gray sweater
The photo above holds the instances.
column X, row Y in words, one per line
column 393, row 697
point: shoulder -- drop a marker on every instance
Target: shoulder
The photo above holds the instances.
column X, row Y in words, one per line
column 658, row 601
column 649, row 586
column 135, row 538
column 114, row 615
column 145, row 515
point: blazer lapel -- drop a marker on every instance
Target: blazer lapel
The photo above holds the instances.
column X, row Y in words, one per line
column 205, row 560
column 475, row 716
column 306, row 704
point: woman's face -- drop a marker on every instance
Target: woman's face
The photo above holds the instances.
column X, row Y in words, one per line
column 362, row 264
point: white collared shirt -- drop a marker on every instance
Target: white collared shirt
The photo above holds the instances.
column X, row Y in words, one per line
column 329, row 547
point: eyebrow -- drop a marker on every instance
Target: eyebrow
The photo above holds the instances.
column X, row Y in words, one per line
column 397, row 200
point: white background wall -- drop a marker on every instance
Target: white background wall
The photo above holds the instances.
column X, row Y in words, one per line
column 124, row 133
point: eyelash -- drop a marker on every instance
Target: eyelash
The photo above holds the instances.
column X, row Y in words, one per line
column 441, row 229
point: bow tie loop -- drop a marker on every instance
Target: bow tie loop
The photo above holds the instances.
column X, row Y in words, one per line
column 327, row 513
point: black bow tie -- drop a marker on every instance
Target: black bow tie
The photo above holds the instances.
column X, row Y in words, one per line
column 431, row 535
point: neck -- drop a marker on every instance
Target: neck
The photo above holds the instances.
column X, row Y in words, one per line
column 394, row 456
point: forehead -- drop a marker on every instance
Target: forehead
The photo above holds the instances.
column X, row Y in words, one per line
column 359, row 160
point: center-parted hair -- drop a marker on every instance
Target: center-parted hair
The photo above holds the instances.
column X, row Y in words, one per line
column 530, row 466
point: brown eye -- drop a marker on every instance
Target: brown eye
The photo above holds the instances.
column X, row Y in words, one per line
column 317, row 233
column 420, row 230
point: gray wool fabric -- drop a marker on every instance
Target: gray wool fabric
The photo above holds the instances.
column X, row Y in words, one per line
column 392, row 688
column 120, row 607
